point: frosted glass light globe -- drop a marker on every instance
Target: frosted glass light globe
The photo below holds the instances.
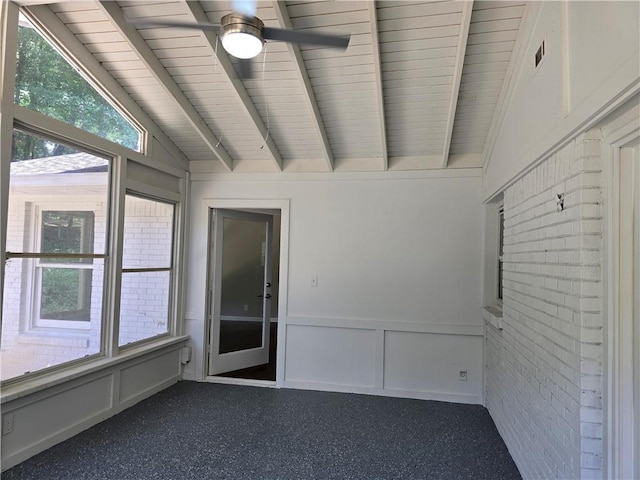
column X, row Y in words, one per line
column 242, row 45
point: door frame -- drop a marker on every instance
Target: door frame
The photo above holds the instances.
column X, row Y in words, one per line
column 620, row 133
column 254, row 204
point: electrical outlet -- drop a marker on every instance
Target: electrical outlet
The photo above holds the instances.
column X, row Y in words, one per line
column 7, row 424
column 463, row 376
column 246, row 308
column 314, row 281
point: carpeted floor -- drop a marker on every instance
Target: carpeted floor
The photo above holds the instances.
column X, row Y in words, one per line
column 209, row 431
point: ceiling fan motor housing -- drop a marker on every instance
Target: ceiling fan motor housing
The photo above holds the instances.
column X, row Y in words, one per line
column 238, row 23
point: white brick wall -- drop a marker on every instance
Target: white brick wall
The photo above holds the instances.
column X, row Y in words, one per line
column 544, row 369
column 27, row 349
column 144, row 302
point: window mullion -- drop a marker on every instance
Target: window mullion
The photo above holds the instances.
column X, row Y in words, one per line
column 111, row 327
column 9, row 34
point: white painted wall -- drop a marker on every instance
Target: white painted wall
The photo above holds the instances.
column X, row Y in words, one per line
column 592, row 65
column 392, row 253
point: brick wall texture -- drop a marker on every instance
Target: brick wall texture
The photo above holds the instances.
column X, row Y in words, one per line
column 28, row 347
column 544, row 368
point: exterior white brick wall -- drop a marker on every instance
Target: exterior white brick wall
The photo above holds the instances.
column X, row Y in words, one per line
column 144, row 315
column 544, row 368
column 144, row 301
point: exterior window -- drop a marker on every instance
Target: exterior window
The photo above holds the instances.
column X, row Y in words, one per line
column 47, row 83
column 63, row 284
column 147, row 272
column 500, row 250
column 56, row 248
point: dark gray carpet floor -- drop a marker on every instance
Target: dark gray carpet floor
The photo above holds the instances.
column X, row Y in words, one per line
column 209, row 431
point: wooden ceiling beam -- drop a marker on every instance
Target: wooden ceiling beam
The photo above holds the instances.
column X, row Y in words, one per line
column 198, row 15
column 465, row 23
column 146, row 55
column 375, row 42
column 301, row 72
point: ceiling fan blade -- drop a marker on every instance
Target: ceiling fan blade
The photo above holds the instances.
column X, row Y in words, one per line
column 171, row 23
column 295, row 36
column 245, row 7
column 245, row 69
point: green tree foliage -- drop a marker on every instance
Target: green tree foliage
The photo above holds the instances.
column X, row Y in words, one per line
column 66, row 291
column 47, row 83
column 66, row 294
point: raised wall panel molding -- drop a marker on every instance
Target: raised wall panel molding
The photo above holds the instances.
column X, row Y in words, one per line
column 386, row 325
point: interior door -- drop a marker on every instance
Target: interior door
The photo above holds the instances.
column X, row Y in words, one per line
column 240, row 290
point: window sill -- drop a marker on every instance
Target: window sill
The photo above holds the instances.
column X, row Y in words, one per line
column 56, row 339
column 19, row 389
column 492, row 315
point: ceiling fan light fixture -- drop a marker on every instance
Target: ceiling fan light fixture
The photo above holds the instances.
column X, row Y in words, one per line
column 242, row 45
column 242, row 35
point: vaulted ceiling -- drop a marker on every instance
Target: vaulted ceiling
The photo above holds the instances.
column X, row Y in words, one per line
column 417, row 88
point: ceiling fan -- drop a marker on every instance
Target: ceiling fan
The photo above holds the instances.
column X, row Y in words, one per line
column 243, row 35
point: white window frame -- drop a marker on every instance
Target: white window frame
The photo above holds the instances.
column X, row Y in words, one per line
column 36, row 323
column 493, row 257
column 165, row 198
column 500, row 257
column 119, row 158
column 38, row 26
column 622, row 380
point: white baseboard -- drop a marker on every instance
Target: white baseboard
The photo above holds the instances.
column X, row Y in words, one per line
column 386, row 392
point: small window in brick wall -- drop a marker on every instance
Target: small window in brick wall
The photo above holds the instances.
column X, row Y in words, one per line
column 500, row 250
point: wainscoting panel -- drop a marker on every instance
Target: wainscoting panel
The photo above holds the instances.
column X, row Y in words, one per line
column 35, row 427
column 148, row 376
column 46, row 412
column 427, row 362
column 327, row 355
column 399, row 359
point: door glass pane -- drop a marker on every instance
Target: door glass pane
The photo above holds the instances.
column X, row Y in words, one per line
column 241, row 301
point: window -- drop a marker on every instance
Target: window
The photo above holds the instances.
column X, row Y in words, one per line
column 58, row 223
column 145, row 298
column 494, row 262
column 56, row 249
column 500, row 250
column 47, row 83
column 63, row 283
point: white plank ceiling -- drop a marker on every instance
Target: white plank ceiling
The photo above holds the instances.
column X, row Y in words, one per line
column 417, row 88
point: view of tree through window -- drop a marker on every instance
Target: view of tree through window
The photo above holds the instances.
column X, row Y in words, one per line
column 47, row 83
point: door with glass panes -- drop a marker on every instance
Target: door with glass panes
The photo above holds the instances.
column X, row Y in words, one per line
column 239, row 290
